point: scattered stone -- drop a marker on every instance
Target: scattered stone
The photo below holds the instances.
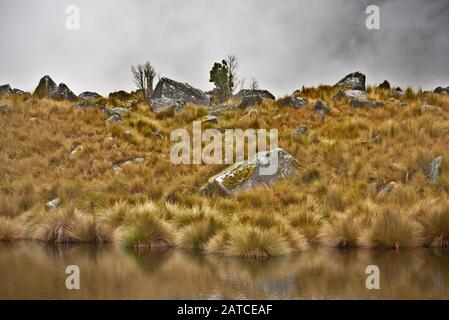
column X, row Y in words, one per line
column 361, row 103
column 293, row 101
column 351, row 94
column 355, row 81
column 109, row 140
column 301, row 130
column 115, row 118
column 128, row 133
column 220, row 108
column 385, row 85
column 433, row 170
column 5, row 108
column 45, row 87
column 139, row 160
column 76, row 151
column 441, row 90
column 89, row 95
column 209, row 118
column 117, row 169
column 425, row 107
column 53, row 204
column 387, row 189
column 170, row 91
column 4, row 89
column 320, row 108
column 266, row 168
column 249, row 101
column 158, row 134
column 376, row 139
column 265, row 94
column 111, row 111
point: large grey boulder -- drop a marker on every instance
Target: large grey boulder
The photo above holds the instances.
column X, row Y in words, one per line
column 62, row 92
column 293, row 101
column 354, row 81
column 385, row 85
column 5, row 89
column 45, row 87
column 266, row 168
column 168, row 92
column 250, row 101
column 265, row 94
column 89, row 95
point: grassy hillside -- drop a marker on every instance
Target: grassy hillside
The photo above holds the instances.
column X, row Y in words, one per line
column 346, row 159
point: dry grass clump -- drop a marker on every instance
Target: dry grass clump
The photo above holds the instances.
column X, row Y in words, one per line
column 392, row 230
column 343, row 232
column 433, row 215
column 10, row 229
column 65, row 225
column 144, row 229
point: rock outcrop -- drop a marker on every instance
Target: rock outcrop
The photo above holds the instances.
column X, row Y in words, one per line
column 354, row 81
column 45, row 87
column 5, row 89
column 169, row 92
column 293, row 101
column 265, row 94
column 385, row 85
column 442, row 90
column 62, row 92
column 89, row 95
column 266, row 168
column 163, row 103
column 250, row 101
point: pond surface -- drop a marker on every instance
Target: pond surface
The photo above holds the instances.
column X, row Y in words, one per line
column 30, row 270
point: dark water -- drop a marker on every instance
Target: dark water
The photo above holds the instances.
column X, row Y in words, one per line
column 30, row 270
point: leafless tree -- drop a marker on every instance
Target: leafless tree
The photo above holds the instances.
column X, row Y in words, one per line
column 254, row 84
column 143, row 76
column 233, row 77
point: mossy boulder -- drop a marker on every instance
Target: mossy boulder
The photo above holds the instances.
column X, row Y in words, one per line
column 266, row 168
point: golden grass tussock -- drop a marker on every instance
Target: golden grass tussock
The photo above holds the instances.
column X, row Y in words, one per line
column 144, row 229
column 10, row 229
column 343, row 231
column 392, row 229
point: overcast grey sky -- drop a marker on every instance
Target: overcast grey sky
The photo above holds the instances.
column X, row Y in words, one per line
column 283, row 44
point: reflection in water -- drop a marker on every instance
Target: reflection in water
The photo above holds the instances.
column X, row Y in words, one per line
column 30, row 270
